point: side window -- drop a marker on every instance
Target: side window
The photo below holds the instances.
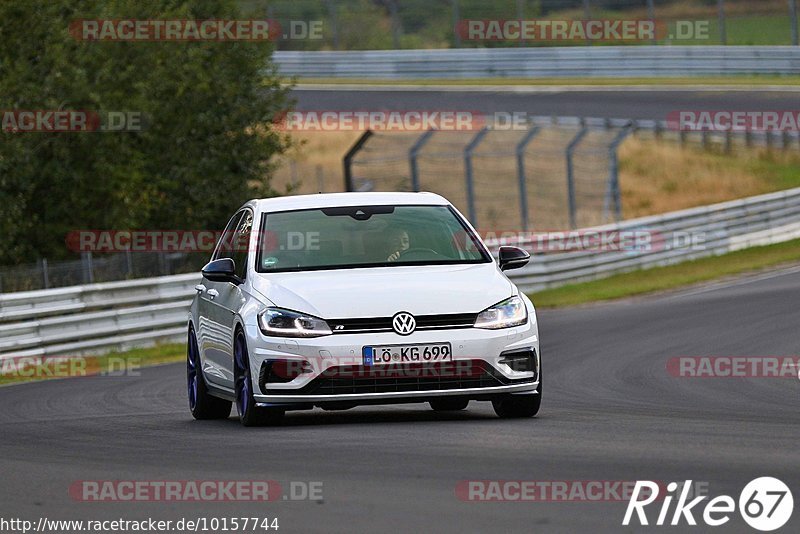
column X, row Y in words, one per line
column 225, row 244
column 241, row 243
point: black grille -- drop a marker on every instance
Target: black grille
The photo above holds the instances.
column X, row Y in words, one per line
column 356, row 379
column 384, row 324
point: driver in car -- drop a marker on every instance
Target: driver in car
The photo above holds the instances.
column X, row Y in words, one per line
column 398, row 243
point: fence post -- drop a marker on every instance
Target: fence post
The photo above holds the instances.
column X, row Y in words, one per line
column 334, row 23
column 88, row 269
column 295, row 181
column 162, row 264
column 523, row 186
column 571, row 173
column 395, row 22
column 456, row 36
column 651, row 14
column 320, row 179
column 45, row 277
column 348, row 160
column 612, row 189
column 129, row 262
column 473, row 144
column 723, row 35
column 587, row 15
column 793, row 21
column 412, row 158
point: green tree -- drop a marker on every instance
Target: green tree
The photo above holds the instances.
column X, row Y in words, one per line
column 203, row 149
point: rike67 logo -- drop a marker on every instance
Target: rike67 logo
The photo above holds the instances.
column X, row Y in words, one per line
column 765, row 504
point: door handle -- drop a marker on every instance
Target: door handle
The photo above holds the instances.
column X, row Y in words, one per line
column 200, row 288
column 212, row 293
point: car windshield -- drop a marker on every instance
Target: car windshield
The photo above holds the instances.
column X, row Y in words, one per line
column 365, row 236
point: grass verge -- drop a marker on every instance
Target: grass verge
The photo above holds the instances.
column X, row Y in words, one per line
column 669, row 277
column 35, row 368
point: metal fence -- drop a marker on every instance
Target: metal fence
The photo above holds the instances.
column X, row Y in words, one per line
column 673, row 238
column 95, row 317
column 559, row 172
column 604, row 61
column 119, row 315
column 91, row 268
column 410, row 24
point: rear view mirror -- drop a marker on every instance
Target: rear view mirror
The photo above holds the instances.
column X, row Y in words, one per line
column 221, row 270
column 513, row 258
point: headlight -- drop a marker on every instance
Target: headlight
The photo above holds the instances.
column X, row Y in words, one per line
column 510, row 312
column 288, row 323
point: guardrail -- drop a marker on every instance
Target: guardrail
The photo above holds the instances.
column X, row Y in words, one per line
column 120, row 315
column 723, row 227
column 95, row 317
column 573, row 61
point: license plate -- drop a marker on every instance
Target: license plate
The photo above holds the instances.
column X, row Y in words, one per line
column 395, row 354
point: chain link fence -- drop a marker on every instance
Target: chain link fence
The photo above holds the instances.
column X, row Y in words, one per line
column 411, row 24
column 555, row 174
column 558, row 173
column 91, row 268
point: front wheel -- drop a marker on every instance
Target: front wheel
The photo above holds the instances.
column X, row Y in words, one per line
column 516, row 406
column 249, row 413
column 202, row 404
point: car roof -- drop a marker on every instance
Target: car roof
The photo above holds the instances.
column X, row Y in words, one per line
column 327, row 200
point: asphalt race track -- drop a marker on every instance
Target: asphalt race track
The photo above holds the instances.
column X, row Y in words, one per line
column 605, row 103
column 611, row 412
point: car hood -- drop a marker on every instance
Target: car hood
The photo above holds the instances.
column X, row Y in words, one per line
column 384, row 291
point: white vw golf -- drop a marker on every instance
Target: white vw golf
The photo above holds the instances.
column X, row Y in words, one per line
column 338, row 300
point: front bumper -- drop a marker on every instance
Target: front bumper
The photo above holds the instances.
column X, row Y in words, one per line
column 478, row 349
column 399, row 396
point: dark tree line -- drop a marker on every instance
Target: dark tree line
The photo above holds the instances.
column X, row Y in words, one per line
column 203, row 148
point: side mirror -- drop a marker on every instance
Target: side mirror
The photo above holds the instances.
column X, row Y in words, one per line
column 513, row 258
column 221, row 270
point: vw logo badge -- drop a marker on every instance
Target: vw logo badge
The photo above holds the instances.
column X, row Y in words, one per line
column 404, row 323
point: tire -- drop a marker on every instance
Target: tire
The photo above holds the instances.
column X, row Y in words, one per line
column 249, row 413
column 448, row 405
column 517, row 406
column 202, row 404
